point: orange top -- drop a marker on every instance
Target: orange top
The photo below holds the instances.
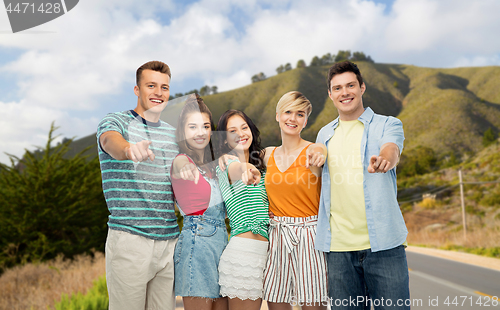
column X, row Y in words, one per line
column 295, row 192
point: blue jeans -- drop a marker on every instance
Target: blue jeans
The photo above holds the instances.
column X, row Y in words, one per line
column 360, row 279
column 198, row 251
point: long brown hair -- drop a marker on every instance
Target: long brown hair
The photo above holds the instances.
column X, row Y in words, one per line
column 195, row 104
column 256, row 151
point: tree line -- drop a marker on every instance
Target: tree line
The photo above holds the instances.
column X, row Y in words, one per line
column 318, row 61
column 203, row 91
column 315, row 62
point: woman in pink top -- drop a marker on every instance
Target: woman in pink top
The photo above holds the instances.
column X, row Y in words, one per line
column 204, row 235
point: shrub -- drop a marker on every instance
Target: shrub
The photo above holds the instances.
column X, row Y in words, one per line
column 428, row 203
column 489, row 137
column 95, row 299
column 50, row 204
column 417, row 161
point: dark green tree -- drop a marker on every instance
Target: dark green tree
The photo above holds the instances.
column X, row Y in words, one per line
column 420, row 160
column 258, row 77
column 205, row 90
column 343, row 55
column 358, row 56
column 288, row 66
column 327, row 59
column 315, row 62
column 50, row 204
column 214, row 89
column 301, row 63
column 280, row 69
column 489, row 137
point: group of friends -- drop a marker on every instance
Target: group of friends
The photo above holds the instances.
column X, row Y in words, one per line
column 314, row 224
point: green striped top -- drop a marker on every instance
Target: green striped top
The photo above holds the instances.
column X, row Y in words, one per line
column 139, row 195
column 247, row 205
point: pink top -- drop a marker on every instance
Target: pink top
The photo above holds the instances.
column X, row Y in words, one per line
column 192, row 199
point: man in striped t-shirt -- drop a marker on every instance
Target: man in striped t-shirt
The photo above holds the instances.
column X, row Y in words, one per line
column 136, row 150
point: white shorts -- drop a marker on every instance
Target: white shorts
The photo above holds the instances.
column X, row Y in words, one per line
column 241, row 268
column 295, row 271
column 139, row 272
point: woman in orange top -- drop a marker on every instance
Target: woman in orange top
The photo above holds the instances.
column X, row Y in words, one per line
column 295, row 272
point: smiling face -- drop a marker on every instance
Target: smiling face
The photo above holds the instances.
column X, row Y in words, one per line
column 197, row 131
column 239, row 135
column 346, row 94
column 152, row 94
column 292, row 122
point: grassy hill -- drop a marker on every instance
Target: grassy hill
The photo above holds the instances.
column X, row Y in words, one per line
column 447, row 110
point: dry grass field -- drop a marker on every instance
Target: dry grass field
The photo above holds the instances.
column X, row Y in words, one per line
column 441, row 227
column 37, row 286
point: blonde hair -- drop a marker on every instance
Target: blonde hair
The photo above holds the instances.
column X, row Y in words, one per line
column 294, row 101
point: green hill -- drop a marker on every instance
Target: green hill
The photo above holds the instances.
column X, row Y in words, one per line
column 447, row 110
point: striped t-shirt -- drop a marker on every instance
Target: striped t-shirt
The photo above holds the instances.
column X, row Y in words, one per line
column 247, row 205
column 139, row 195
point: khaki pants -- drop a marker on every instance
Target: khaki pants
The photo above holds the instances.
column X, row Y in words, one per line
column 139, row 272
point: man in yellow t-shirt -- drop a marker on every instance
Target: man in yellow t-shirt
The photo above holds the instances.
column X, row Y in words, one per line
column 360, row 225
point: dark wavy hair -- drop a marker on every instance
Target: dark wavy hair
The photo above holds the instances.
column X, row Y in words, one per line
column 256, row 151
column 195, row 104
column 343, row 67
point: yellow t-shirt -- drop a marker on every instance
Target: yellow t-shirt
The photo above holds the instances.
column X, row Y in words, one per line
column 347, row 211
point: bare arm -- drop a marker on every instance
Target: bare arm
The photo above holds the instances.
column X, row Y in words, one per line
column 113, row 143
column 243, row 171
column 316, row 156
column 182, row 168
column 387, row 159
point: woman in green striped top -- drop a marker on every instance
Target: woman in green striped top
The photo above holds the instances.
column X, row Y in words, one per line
column 242, row 263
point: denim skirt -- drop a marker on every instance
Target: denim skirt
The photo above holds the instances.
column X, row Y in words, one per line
column 197, row 254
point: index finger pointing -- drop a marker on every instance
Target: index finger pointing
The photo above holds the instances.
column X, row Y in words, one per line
column 196, row 176
column 151, row 155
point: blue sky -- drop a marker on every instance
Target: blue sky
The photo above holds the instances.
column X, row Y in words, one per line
column 76, row 68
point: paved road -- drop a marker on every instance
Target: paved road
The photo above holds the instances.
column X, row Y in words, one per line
column 437, row 283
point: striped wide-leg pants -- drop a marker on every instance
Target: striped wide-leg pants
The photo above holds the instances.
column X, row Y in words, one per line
column 295, row 271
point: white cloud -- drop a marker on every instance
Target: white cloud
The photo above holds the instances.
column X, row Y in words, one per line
column 231, row 82
column 439, row 33
column 73, row 65
column 477, row 61
column 23, row 126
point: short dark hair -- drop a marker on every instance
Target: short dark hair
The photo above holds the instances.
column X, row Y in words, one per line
column 154, row 65
column 256, row 151
column 342, row 67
